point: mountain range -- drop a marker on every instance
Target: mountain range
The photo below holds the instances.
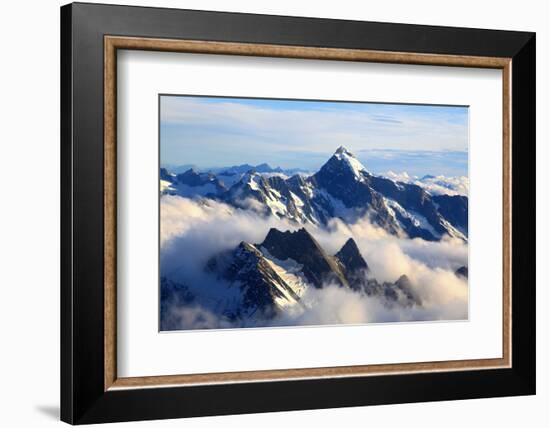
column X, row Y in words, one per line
column 254, row 284
column 342, row 188
column 265, row 279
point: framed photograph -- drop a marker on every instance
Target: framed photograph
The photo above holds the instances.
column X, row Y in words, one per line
column 265, row 213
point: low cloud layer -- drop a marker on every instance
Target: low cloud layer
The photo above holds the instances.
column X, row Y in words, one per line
column 192, row 231
column 436, row 185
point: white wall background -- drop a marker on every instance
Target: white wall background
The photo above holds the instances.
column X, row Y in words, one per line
column 29, row 217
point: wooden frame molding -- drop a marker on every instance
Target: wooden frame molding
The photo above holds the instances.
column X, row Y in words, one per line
column 113, row 43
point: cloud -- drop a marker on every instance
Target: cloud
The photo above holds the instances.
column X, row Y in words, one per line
column 192, row 316
column 419, row 162
column 386, row 119
column 436, row 185
column 333, row 305
column 226, row 129
column 429, row 265
column 192, row 231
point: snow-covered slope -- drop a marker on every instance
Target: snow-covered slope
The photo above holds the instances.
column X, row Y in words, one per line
column 342, row 188
column 257, row 282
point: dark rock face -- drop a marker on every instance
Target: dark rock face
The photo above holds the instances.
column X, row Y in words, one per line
column 355, row 268
column 172, row 294
column 462, row 272
column 412, row 198
column 350, row 256
column 285, row 190
column 343, row 180
column 300, row 246
column 398, row 292
column 174, row 290
column 259, row 283
column 404, row 284
column 315, row 209
column 194, row 179
column 164, row 175
column 340, row 181
column 454, row 209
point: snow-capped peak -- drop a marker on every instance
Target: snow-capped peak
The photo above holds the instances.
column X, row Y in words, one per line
column 343, row 151
column 252, row 179
column 344, row 155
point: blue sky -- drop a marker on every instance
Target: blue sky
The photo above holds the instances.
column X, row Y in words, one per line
column 218, row 131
